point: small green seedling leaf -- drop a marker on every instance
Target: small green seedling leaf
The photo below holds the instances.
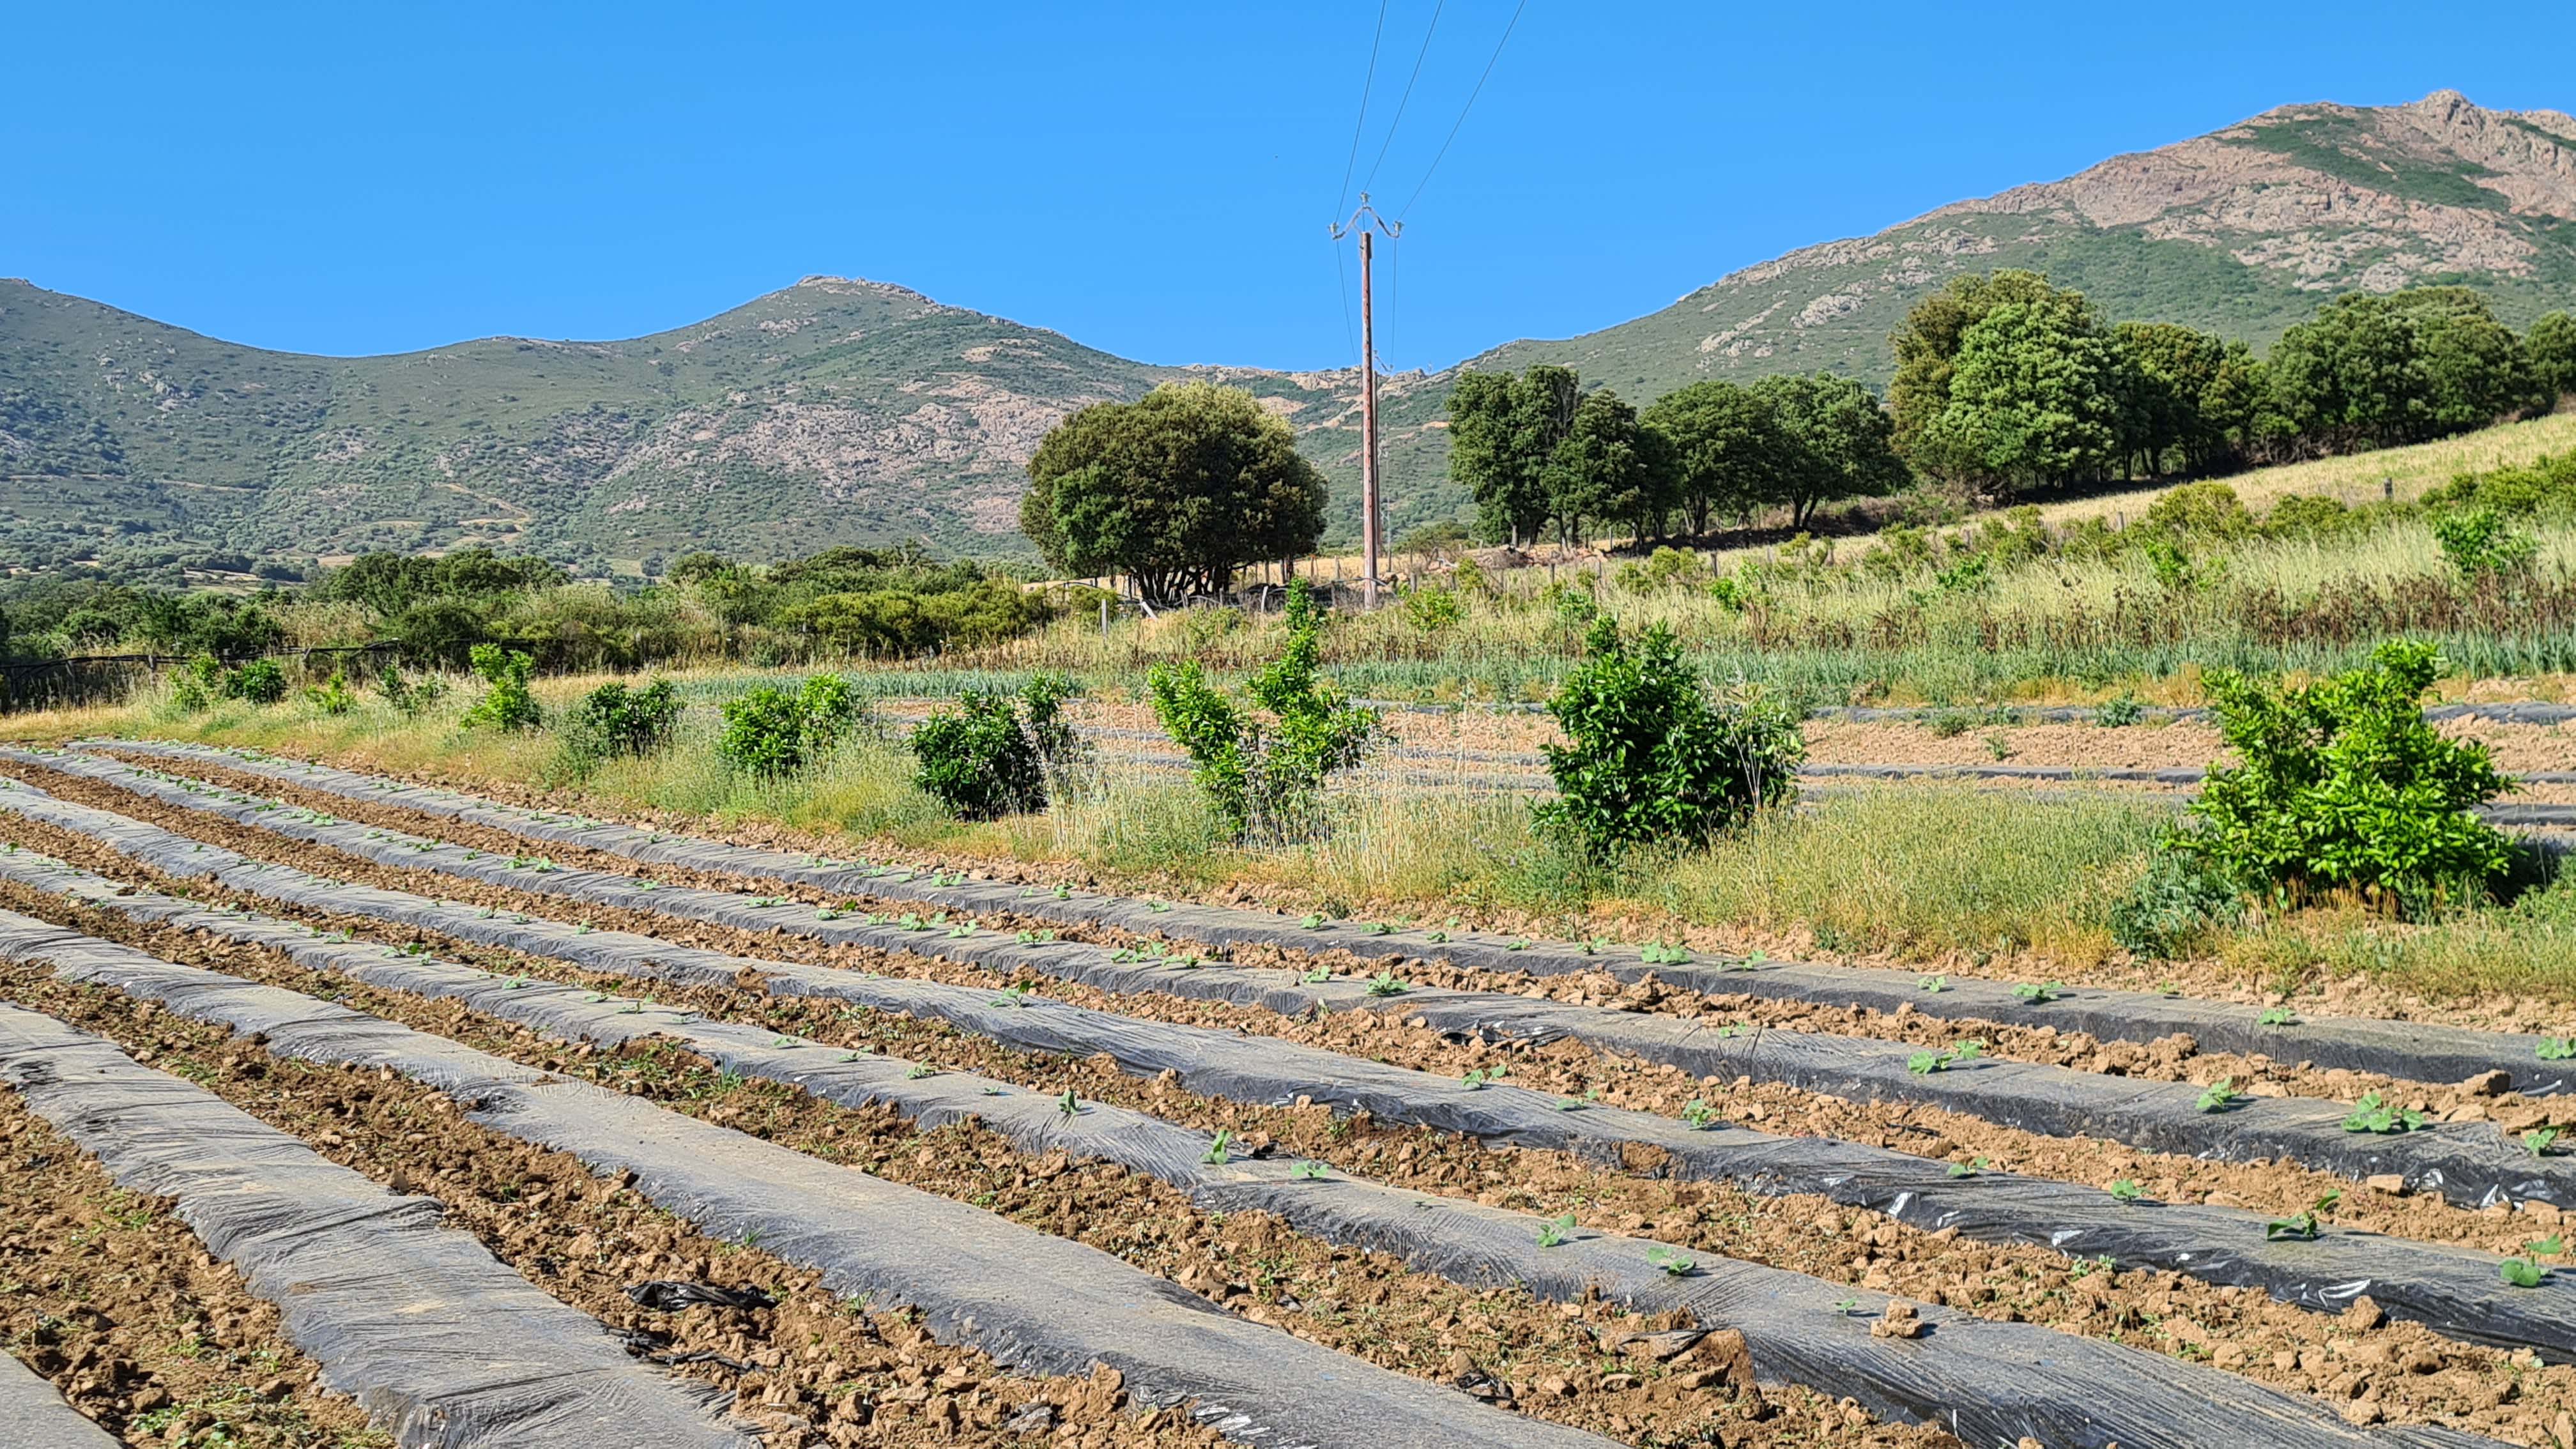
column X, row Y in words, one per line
column 1311, row 922
column 1216, row 1153
column 2220, row 1095
column 2277, row 1016
column 1385, row 984
column 1700, row 1115
column 1067, row 1104
column 1307, row 1171
column 1552, row 1232
column 1934, row 983
column 1970, row 1168
column 1671, row 1262
column 2039, row 993
column 2556, row 1048
column 1316, row 977
column 2126, row 1189
column 2537, row 1140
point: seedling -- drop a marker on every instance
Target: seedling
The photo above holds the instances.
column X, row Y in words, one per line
column 1064, row 893
column 1656, row 953
column 1015, row 997
column 1216, row 1153
column 2556, row 1048
column 2277, row 1016
column 2168, row 990
column 1521, row 944
column 1308, row 1170
column 1385, row 984
column 1846, row 1306
column 1158, row 907
column 2304, row 1227
column 1067, row 1105
column 1926, row 1063
column 2221, row 1094
column 1377, row 928
column 919, row 1070
column 1311, row 921
column 2537, row 1140
column 2525, row 1271
column 2039, row 993
column 1934, row 983
column 1577, row 1104
column 1671, row 1262
column 1316, row 977
column 1700, row 1115
column 1970, row 1168
column 2370, row 1115
column 1439, row 937
column 2126, row 1189
column 1477, row 1081
column 1552, row 1233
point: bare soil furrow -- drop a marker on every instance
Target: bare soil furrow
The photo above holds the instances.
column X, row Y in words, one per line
column 111, row 1299
column 470, row 1025
column 2413, row 1042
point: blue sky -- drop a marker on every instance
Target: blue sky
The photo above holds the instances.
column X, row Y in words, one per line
column 1151, row 179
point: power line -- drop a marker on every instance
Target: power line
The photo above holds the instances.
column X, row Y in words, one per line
column 1393, row 126
column 1361, row 124
column 1407, row 208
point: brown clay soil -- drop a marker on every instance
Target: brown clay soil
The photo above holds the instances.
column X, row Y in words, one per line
column 2205, row 978
column 583, row 1239
column 2173, row 1058
column 113, row 1299
column 2371, row 1367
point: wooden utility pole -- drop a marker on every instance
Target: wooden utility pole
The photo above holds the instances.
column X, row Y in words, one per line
column 1368, row 223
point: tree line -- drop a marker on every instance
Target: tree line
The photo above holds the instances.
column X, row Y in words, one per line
column 2004, row 383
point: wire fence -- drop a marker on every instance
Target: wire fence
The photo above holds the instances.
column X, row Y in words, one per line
column 106, row 678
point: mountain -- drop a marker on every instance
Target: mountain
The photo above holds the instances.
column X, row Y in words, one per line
column 833, row 411
column 2240, row 232
column 842, row 411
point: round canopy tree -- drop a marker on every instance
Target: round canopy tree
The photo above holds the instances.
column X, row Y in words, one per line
column 1177, row 490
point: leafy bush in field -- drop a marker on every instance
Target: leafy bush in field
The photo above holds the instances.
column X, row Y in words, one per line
column 506, row 703
column 261, row 681
column 197, row 683
column 613, row 720
column 2482, row 543
column 408, row 696
column 2180, row 896
column 333, row 695
column 1652, row 760
column 770, row 731
column 1264, row 781
column 1433, row 608
column 992, row 754
column 2345, row 785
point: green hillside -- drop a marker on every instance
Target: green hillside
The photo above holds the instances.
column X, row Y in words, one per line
column 2243, row 233
column 839, row 411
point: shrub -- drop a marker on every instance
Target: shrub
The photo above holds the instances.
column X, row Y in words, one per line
column 506, row 703
column 2119, row 711
column 406, row 695
column 261, row 681
column 1433, row 608
column 197, row 683
column 333, row 695
column 2481, row 543
column 2180, row 896
column 1265, row 781
column 993, row 754
column 1652, row 759
column 771, row 732
column 613, row 721
column 2344, row 785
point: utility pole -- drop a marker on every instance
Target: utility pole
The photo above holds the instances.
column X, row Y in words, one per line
column 1368, row 223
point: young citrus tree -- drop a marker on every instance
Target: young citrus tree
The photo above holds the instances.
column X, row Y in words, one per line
column 1265, row 780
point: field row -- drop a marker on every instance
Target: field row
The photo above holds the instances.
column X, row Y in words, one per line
column 1196, row 1075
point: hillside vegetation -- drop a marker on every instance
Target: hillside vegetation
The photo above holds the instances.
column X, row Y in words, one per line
column 849, row 412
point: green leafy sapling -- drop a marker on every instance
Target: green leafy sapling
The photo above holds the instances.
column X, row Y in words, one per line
column 1553, row 1231
column 2525, row 1271
column 2221, row 1095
